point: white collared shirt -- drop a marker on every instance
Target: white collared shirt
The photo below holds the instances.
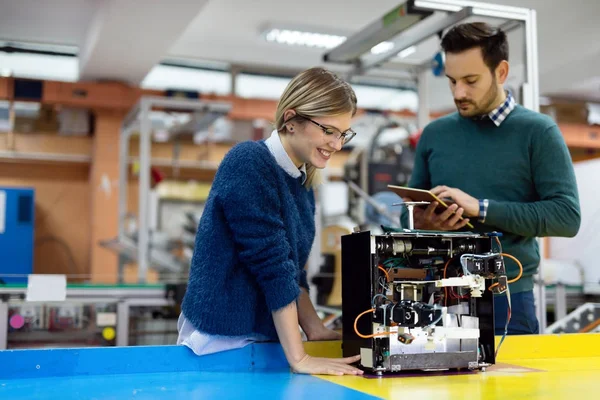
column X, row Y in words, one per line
column 283, row 159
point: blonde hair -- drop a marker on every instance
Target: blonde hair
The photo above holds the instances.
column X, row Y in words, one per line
column 315, row 92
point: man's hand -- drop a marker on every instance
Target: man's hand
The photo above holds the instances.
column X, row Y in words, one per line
column 469, row 204
column 448, row 220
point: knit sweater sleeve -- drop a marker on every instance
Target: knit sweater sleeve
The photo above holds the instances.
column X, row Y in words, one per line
column 248, row 192
column 557, row 212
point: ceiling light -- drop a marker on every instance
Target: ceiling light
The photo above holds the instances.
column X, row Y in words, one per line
column 407, row 52
column 382, row 47
column 307, row 39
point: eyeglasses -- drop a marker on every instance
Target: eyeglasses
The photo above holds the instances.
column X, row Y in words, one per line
column 345, row 136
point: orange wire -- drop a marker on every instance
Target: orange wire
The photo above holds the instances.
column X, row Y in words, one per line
column 385, row 272
column 590, row 327
column 520, row 270
column 371, row 335
column 446, row 287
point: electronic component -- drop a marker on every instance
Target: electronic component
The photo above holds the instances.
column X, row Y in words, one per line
column 419, row 300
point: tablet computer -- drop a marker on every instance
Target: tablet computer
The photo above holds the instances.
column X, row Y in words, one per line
column 423, row 195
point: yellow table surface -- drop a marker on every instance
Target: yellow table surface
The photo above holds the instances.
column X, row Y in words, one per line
column 528, row 367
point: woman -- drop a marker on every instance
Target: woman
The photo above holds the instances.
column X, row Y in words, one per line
column 247, row 280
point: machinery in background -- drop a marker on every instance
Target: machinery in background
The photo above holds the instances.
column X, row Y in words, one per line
column 584, row 319
column 416, row 300
column 385, row 157
column 34, row 325
column 90, row 316
column 17, row 215
column 142, row 245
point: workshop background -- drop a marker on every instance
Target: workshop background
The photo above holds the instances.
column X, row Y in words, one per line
column 114, row 116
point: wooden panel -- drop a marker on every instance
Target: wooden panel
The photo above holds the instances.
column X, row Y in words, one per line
column 89, row 94
column 62, row 215
column 48, row 143
column 584, row 154
column 580, row 135
column 104, row 192
column 5, row 88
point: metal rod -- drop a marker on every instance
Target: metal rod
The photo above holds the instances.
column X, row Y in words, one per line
column 144, row 189
column 423, row 80
column 123, row 179
column 3, row 328
column 122, row 324
column 411, row 217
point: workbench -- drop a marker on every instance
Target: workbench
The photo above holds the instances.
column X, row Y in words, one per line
column 529, row 367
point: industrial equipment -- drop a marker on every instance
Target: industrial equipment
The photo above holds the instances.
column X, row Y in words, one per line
column 421, row 300
column 92, row 315
column 384, row 157
column 17, row 215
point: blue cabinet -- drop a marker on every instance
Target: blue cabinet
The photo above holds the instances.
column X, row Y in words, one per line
column 17, row 216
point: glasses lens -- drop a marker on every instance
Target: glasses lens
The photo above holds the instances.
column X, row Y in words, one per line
column 348, row 136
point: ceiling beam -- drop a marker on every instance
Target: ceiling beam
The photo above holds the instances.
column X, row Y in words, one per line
column 127, row 38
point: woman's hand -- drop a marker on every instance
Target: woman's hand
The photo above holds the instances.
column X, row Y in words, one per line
column 286, row 324
column 326, row 366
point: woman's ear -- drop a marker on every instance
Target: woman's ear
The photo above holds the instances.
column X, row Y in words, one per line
column 287, row 116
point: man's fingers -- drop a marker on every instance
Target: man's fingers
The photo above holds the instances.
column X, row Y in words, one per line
column 429, row 210
column 462, row 223
column 447, row 213
column 455, row 218
column 445, row 195
column 439, row 189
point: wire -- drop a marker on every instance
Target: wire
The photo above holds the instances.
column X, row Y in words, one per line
column 445, row 287
column 371, row 335
column 509, row 313
column 385, row 272
column 376, row 296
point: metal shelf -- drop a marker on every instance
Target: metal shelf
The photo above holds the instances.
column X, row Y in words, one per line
column 39, row 157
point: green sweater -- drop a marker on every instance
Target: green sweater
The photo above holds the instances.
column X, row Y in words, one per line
column 524, row 169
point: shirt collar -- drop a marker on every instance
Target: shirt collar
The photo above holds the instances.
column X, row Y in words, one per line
column 283, row 159
column 499, row 114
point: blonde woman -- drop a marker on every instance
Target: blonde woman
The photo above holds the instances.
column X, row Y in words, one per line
column 247, row 280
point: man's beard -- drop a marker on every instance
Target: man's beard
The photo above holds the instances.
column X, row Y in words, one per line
column 481, row 108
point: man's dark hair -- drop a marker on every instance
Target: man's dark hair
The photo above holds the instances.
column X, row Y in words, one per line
column 492, row 41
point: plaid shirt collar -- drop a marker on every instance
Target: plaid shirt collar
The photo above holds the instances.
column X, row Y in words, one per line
column 499, row 114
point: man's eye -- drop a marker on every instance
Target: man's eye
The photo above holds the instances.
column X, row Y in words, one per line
column 329, row 131
column 471, row 82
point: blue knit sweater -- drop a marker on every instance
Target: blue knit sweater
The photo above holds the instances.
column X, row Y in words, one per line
column 252, row 244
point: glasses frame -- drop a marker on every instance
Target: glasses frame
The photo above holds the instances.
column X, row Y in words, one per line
column 346, row 136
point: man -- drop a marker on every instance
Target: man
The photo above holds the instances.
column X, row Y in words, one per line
column 505, row 168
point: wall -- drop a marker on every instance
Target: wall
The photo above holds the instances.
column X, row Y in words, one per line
column 62, row 213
